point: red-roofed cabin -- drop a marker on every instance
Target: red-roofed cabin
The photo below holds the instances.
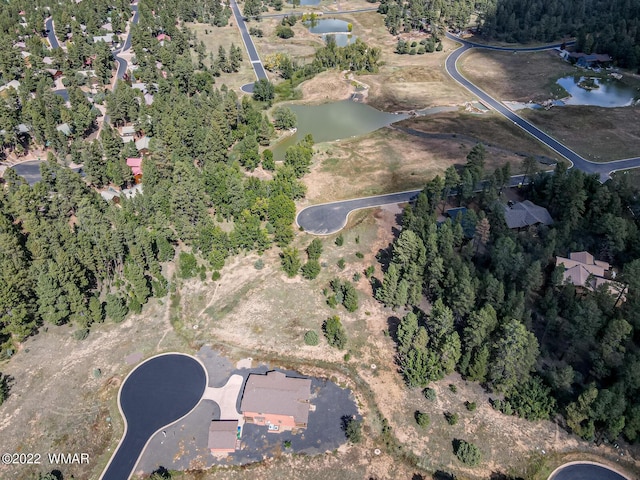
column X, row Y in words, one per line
column 135, row 163
column 162, row 37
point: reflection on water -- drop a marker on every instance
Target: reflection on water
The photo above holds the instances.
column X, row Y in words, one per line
column 341, row 39
column 599, row 92
column 335, row 121
column 328, row 25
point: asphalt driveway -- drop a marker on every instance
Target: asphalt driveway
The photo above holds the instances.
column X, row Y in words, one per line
column 155, row 394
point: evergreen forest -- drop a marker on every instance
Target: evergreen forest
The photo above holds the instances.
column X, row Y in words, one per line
column 490, row 303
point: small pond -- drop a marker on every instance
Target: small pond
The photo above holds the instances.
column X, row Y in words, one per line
column 599, row 92
column 335, row 121
column 342, row 39
column 328, row 25
column 306, row 3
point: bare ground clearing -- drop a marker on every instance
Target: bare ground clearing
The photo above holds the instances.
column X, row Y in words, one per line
column 389, row 160
column 213, row 38
column 612, row 133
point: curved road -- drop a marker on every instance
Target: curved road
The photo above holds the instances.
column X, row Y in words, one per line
column 585, row 471
column 602, row 169
column 51, row 34
column 157, row 393
column 327, row 218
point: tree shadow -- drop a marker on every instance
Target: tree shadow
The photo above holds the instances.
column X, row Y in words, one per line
column 503, row 476
column 440, row 475
column 393, row 323
column 161, row 472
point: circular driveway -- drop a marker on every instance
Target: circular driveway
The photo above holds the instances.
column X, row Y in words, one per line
column 585, row 471
column 155, row 394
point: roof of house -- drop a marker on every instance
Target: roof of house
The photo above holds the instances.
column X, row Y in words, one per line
column 128, row 130
column 524, row 214
column 64, row 128
column 163, row 36
column 135, row 163
column 15, row 84
column 277, row 394
column 143, row 143
column 592, row 268
column 591, row 57
column 223, row 434
column 578, row 275
column 453, row 212
column 47, row 60
column 108, row 38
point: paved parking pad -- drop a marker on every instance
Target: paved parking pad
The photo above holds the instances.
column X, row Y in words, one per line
column 184, row 445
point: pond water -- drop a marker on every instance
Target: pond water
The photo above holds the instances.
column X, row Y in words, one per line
column 335, row 121
column 342, row 39
column 328, row 25
column 306, row 3
column 609, row 92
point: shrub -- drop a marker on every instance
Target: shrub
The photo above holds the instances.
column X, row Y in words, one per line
column 287, row 444
column 311, row 338
column 422, row 419
column 471, row 406
column 453, row 388
column 258, row 264
column 187, row 265
column 256, row 32
column 357, row 276
column 346, row 357
column 314, row 250
column 452, row 418
column 311, row 269
column 414, row 44
column 339, row 240
column 341, row 264
column 467, row 453
column 429, row 393
column 439, row 47
column 421, row 51
column 352, row 429
column 290, row 259
column 284, row 32
column 115, row 308
column 268, row 163
column 81, row 333
column 335, row 332
column 215, row 275
column 360, row 255
column 413, row 51
column 368, row 272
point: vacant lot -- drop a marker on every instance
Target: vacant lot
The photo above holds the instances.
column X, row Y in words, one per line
column 598, row 134
column 213, row 38
column 391, row 160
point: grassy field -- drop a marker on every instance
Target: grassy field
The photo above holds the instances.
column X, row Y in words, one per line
column 390, row 160
column 598, row 134
column 213, row 38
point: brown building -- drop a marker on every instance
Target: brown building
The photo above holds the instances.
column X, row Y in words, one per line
column 223, row 435
column 277, row 401
column 587, row 273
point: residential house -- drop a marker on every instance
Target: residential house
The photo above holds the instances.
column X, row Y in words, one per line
column 108, row 38
column 587, row 273
column 64, row 128
column 163, row 37
column 223, row 436
column 127, row 133
column 589, row 60
column 279, row 402
column 15, row 84
column 526, row 214
column 143, row 145
column 135, row 163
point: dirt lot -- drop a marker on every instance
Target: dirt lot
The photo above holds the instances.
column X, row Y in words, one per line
column 612, row 133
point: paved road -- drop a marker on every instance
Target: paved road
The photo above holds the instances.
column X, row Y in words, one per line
column 157, row 393
column 585, row 471
column 254, row 58
column 328, row 218
column 51, row 34
column 602, row 169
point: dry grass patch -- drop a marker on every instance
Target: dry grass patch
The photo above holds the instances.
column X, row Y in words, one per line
column 389, row 160
column 598, row 134
column 521, row 76
column 213, row 38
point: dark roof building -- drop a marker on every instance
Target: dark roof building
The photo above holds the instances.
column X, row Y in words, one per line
column 223, row 435
column 276, row 400
column 525, row 214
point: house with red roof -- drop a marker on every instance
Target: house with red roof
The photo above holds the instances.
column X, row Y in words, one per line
column 135, row 163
